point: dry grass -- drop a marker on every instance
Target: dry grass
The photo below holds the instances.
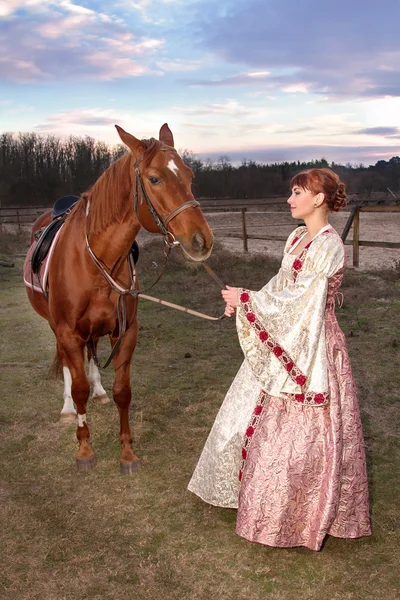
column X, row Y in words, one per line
column 103, row 536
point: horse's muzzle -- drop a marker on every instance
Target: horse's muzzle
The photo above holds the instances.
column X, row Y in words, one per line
column 199, row 248
column 198, row 242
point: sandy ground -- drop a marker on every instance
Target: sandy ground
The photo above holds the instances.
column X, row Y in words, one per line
column 374, row 227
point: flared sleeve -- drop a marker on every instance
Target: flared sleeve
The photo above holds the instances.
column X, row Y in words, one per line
column 281, row 327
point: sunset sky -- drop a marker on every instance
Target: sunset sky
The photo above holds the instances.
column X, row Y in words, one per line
column 268, row 80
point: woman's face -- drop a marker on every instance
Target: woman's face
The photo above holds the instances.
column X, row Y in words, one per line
column 301, row 202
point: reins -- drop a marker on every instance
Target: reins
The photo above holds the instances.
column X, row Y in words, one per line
column 140, row 195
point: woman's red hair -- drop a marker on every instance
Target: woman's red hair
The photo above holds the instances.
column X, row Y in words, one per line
column 322, row 181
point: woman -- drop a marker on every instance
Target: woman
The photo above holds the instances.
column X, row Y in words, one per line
column 286, row 447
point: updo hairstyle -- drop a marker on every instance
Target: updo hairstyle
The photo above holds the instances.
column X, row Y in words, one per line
column 323, row 181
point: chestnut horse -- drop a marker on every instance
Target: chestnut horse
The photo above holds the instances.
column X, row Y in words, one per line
column 149, row 187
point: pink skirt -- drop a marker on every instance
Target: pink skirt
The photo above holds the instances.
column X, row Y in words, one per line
column 305, row 475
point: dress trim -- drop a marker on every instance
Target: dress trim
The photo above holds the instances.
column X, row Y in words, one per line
column 308, row 398
column 248, row 436
column 299, row 262
column 294, row 372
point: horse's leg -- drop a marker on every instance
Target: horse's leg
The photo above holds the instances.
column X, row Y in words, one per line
column 60, row 367
column 129, row 463
column 68, row 412
column 73, row 350
column 99, row 393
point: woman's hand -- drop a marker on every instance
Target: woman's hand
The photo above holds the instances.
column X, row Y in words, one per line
column 231, row 296
column 229, row 310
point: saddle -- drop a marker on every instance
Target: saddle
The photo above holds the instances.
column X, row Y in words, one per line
column 61, row 209
column 62, row 205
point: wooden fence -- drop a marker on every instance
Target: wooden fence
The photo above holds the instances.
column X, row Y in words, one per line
column 354, row 219
column 23, row 217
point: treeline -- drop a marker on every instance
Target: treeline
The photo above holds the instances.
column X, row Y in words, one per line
column 36, row 170
column 255, row 180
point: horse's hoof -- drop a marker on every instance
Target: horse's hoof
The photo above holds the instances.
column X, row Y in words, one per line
column 129, row 468
column 67, row 418
column 101, row 399
column 86, row 464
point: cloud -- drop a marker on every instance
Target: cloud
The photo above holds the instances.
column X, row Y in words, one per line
column 230, row 108
column 81, row 122
column 349, row 49
column 385, row 131
column 241, row 79
column 65, row 41
column 9, row 7
column 178, row 65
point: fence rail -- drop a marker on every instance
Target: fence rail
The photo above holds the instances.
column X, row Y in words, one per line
column 354, row 220
column 21, row 215
column 25, row 216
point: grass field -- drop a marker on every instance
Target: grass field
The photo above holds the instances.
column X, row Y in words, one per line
column 104, row 536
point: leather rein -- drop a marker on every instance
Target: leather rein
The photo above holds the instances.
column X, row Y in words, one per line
column 139, row 197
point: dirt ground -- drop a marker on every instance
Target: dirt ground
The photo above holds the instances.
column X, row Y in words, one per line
column 374, row 227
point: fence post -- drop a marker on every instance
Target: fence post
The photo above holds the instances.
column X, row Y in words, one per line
column 244, row 230
column 348, row 225
column 18, row 221
column 356, row 238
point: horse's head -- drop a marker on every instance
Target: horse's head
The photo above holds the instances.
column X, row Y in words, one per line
column 164, row 182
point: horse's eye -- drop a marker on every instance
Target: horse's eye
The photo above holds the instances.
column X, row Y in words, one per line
column 154, row 180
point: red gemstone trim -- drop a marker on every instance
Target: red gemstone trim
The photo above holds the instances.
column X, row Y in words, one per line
column 265, row 338
column 248, row 436
column 310, row 398
column 300, row 259
column 299, row 262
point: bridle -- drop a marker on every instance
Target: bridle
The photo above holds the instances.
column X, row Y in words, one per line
column 139, row 196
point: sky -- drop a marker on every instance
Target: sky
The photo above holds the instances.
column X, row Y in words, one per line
column 263, row 80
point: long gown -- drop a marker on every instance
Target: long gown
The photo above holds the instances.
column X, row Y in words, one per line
column 286, row 447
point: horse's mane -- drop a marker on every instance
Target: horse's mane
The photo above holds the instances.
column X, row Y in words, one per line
column 108, row 196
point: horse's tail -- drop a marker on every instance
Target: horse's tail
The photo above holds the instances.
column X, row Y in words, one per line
column 56, row 369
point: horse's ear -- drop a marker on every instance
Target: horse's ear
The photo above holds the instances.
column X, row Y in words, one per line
column 166, row 136
column 133, row 143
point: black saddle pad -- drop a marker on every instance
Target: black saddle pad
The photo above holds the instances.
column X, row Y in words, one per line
column 62, row 205
column 44, row 243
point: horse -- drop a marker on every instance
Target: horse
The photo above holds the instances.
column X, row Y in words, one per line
column 90, row 270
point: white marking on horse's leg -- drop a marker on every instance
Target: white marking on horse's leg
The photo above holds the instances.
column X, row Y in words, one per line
column 99, row 393
column 81, row 420
column 68, row 412
column 172, row 167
